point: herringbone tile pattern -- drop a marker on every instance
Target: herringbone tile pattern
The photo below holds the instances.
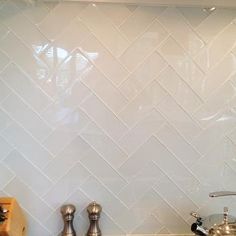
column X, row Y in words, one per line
column 131, row 106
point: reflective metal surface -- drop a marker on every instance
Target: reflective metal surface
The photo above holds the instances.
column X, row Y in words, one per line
column 94, row 211
column 67, row 212
column 222, row 194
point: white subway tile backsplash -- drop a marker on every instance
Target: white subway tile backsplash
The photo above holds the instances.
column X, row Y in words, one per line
column 37, row 208
column 174, row 22
column 59, row 17
column 104, row 89
column 143, row 46
column 141, row 18
column 27, row 89
column 28, row 173
column 104, row 145
column 144, row 74
column 104, row 29
column 4, row 60
column 215, row 23
column 32, row 122
column 104, row 60
column 27, row 145
column 128, row 105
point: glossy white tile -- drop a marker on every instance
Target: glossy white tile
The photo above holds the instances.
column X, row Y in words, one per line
column 104, row 60
column 137, row 23
column 30, row 119
column 104, row 145
column 147, row 72
column 33, row 151
column 143, row 46
column 29, row 174
column 59, row 18
column 104, row 29
column 128, row 105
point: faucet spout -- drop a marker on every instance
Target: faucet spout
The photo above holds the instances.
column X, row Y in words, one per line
column 222, row 194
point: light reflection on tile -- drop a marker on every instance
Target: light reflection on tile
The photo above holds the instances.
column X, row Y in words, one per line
column 131, row 106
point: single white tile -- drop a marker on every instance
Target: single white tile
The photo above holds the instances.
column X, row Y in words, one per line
column 103, row 171
column 5, row 148
column 59, row 17
column 151, row 225
column 143, row 46
column 5, row 175
column 30, row 175
column 213, row 106
column 30, row 120
column 175, row 23
column 24, row 86
column 59, row 114
column 179, row 118
column 30, row 63
column 105, row 146
column 72, row 37
column 29, row 33
column 215, row 50
column 36, row 12
column 117, row 13
column 145, row 73
column 207, row 138
column 140, row 184
column 104, row 60
column 194, row 15
column 180, row 90
column 136, row 136
column 183, row 65
column 36, row 228
column 178, row 145
column 33, row 151
column 168, row 216
column 215, row 22
column 3, row 31
column 141, row 18
column 5, row 120
column 58, row 140
column 28, row 199
column 4, row 90
column 102, row 116
column 216, row 77
column 104, row 89
column 66, row 159
column 66, row 185
column 174, row 196
column 142, row 105
column 4, row 60
column 104, row 29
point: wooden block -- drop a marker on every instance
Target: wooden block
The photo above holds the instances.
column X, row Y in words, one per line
column 15, row 224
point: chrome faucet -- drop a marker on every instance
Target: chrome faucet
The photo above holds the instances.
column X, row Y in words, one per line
column 222, row 194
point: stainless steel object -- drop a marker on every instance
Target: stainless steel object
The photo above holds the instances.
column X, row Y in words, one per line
column 217, row 224
column 222, row 194
column 94, row 211
column 198, row 227
column 67, row 212
column 225, row 228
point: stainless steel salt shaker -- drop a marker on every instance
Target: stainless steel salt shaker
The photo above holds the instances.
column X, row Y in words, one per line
column 67, row 212
column 94, row 211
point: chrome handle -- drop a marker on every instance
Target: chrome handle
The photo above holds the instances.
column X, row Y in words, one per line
column 222, row 194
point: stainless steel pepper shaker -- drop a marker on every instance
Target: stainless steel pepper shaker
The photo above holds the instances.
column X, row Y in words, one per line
column 94, row 211
column 67, row 212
